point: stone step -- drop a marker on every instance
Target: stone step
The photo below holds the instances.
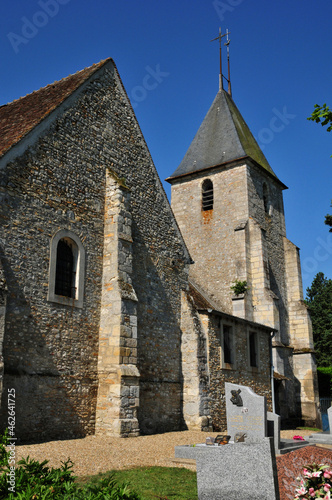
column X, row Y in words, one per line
column 320, row 437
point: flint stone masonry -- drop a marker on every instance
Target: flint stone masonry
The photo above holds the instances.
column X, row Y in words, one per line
column 135, row 353
column 86, row 168
column 204, row 374
column 233, row 471
column 246, row 414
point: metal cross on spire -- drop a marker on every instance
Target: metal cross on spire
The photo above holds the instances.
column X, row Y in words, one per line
column 219, row 37
column 228, row 63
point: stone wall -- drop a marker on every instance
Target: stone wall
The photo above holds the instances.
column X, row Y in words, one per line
column 210, row 235
column 258, row 379
column 270, row 301
column 50, row 350
column 243, row 238
column 54, row 179
column 237, row 240
column 204, row 374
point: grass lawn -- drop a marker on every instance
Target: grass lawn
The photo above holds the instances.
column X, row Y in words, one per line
column 314, row 429
column 153, row 483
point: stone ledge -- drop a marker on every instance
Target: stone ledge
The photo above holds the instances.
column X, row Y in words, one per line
column 129, row 371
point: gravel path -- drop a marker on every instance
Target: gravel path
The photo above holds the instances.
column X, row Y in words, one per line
column 95, row 454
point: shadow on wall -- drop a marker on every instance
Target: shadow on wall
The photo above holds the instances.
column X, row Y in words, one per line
column 156, row 282
column 52, row 399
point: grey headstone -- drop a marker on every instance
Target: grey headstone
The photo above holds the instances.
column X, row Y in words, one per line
column 245, row 412
column 329, row 415
column 273, row 428
column 234, row 471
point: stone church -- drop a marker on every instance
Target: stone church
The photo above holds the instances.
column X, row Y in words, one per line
column 117, row 312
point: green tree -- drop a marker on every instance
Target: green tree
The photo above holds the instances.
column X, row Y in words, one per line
column 323, row 115
column 319, row 300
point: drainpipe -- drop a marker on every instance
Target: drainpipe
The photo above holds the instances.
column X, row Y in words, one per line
column 272, row 372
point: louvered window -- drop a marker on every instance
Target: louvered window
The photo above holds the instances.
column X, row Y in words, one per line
column 207, row 195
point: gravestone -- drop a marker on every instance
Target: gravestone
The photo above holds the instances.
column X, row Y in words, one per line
column 326, row 436
column 235, row 471
column 245, row 412
column 273, row 429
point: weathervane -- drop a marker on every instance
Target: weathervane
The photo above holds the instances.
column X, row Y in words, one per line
column 219, row 37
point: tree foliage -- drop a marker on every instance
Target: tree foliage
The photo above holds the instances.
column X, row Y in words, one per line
column 323, row 115
column 319, row 300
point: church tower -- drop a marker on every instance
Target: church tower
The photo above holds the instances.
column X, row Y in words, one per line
column 228, row 203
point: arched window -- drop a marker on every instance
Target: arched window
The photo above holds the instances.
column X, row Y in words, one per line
column 266, row 198
column 65, row 269
column 66, row 275
column 207, row 195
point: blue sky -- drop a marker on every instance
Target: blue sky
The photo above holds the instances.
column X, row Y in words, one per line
column 281, row 55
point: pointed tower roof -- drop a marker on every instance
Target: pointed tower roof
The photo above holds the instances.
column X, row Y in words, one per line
column 222, row 137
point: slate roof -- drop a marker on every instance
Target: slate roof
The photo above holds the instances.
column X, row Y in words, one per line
column 19, row 117
column 222, row 137
column 202, row 302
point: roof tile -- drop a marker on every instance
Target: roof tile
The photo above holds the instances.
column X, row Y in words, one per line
column 222, row 137
column 19, row 117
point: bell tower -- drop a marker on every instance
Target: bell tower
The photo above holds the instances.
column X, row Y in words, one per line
column 228, row 203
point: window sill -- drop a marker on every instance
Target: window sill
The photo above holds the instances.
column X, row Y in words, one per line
column 228, row 366
column 65, row 301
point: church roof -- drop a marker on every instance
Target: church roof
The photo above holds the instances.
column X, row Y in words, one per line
column 222, row 137
column 19, row 117
column 200, row 299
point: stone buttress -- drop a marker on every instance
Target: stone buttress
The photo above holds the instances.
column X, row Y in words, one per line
column 304, row 364
column 118, row 390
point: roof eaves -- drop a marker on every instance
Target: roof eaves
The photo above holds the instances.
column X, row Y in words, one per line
column 52, row 108
column 199, row 171
column 228, row 162
column 231, row 317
